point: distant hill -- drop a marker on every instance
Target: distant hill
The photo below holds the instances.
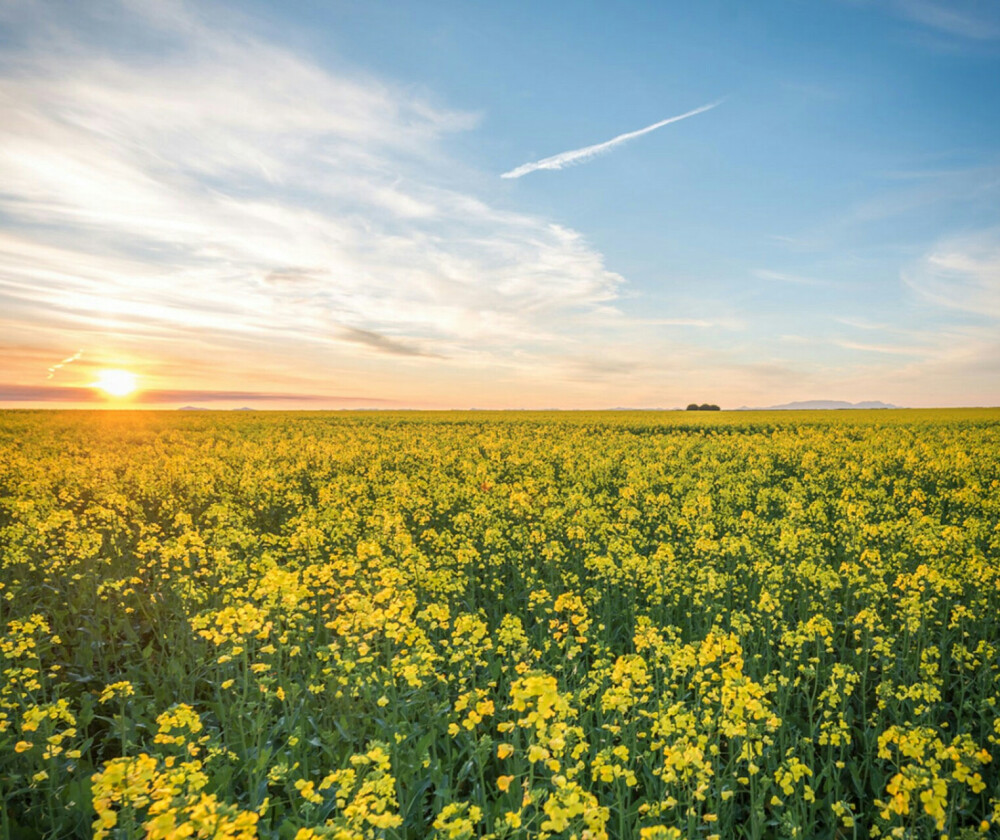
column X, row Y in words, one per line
column 818, row 405
column 192, row 408
column 244, row 408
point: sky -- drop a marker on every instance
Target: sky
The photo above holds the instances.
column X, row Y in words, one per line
column 390, row 204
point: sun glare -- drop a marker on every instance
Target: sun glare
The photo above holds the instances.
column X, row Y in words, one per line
column 117, row 383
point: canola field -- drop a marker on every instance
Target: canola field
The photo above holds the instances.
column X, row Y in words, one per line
column 520, row 625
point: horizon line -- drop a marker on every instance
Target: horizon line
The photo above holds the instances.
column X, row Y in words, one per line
column 474, row 410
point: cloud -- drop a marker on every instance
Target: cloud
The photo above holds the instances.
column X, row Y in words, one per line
column 13, row 392
column 797, row 279
column 157, row 186
column 67, row 361
column 10, row 392
column 863, row 323
column 293, row 274
column 574, row 156
column 950, row 358
column 725, row 323
column 962, row 18
column 890, row 349
column 383, row 343
column 961, row 273
column 186, row 395
column 678, row 322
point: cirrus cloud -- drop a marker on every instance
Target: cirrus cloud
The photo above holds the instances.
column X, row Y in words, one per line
column 218, row 188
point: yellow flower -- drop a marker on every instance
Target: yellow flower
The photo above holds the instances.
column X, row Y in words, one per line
column 505, row 750
column 503, row 782
column 659, row 832
column 537, row 753
column 23, row 746
column 307, row 790
column 118, row 689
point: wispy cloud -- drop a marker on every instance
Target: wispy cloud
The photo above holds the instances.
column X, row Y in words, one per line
column 704, row 323
column 783, row 277
column 969, row 19
column 384, row 343
column 863, row 323
column 165, row 198
column 67, row 361
column 889, row 349
column 564, row 159
column 171, row 397
column 961, row 273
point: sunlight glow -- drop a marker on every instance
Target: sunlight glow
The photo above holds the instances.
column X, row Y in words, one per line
column 117, row 383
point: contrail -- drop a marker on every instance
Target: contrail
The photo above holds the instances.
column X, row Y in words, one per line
column 578, row 155
column 66, row 361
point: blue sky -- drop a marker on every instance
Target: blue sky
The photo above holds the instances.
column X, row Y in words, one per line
column 304, row 199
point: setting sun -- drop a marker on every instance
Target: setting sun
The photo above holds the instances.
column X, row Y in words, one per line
column 117, row 383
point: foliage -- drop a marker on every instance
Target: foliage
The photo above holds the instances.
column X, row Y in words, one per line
column 403, row 625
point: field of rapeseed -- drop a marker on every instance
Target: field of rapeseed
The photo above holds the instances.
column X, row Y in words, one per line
column 614, row 625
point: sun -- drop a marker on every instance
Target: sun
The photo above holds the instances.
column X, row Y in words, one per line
column 117, row 383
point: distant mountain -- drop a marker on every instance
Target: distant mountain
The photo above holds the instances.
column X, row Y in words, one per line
column 818, row 405
column 244, row 408
column 192, row 408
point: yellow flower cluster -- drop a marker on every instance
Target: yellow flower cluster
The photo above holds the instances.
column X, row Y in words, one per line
column 364, row 796
column 167, row 803
column 928, row 768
